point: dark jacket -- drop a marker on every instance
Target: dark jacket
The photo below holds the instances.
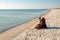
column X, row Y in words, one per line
column 43, row 22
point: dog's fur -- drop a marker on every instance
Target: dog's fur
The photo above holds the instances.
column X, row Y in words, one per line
column 38, row 26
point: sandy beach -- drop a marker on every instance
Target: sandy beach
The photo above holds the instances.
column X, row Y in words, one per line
column 27, row 32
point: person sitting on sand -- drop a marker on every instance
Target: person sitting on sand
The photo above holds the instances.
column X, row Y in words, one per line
column 38, row 26
column 43, row 22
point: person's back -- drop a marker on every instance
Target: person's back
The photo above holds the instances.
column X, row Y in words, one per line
column 43, row 23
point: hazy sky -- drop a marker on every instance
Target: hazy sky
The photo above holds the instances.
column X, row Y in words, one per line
column 29, row 4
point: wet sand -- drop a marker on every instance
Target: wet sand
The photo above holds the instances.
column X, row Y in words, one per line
column 26, row 31
column 12, row 33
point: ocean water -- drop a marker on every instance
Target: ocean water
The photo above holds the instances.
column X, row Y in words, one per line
column 11, row 17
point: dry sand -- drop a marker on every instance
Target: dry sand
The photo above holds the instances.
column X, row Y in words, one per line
column 26, row 31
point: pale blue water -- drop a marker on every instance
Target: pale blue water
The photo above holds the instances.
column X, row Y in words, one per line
column 12, row 17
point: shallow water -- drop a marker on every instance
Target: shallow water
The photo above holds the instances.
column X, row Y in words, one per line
column 11, row 17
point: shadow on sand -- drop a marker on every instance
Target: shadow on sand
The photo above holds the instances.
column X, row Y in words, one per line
column 51, row 28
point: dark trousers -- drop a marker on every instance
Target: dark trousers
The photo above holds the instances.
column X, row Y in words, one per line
column 44, row 26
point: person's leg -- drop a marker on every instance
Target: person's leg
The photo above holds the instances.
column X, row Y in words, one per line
column 45, row 26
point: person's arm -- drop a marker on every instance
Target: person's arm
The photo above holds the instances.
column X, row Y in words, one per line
column 40, row 19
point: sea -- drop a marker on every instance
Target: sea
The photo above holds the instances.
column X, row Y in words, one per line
column 12, row 17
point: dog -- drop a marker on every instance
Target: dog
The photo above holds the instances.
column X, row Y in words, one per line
column 38, row 26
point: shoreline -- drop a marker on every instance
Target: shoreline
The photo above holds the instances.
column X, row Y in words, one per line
column 16, row 25
column 46, row 12
column 27, row 32
column 11, row 27
column 16, row 30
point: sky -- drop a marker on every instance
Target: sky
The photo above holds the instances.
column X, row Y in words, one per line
column 29, row 4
